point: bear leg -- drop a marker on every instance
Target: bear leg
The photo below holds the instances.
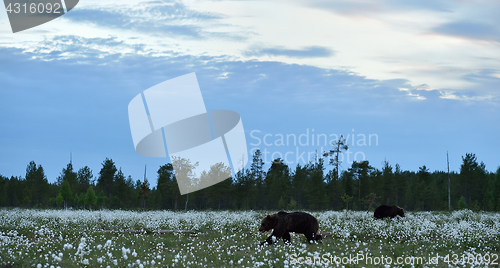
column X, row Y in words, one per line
column 269, row 240
column 310, row 236
column 278, row 233
column 286, row 237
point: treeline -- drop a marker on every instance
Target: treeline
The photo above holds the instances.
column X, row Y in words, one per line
column 311, row 187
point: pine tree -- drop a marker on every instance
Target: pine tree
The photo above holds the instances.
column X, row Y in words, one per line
column 338, row 147
column 67, row 174
column 59, row 199
column 315, row 185
column 281, row 203
column 37, row 185
column 495, row 191
column 218, row 192
column 166, row 187
column 401, row 185
column 66, row 193
column 473, row 179
column 258, row 176
column 423, row 190
column 101, row 199
column 347, row 183
column 90, row 197
column 246, row 181
column 15, row 191
column 360, row 171
column 277, row 183
column 299, row 185
column 106, row 177
column 84, row 178
column 388, row 181
column 3, row 188
column 120, row 189
column 461, row 203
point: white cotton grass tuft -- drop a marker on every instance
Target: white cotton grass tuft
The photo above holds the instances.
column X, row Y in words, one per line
column 79, row 237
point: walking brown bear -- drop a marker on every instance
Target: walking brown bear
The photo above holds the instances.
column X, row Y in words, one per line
column 384, row 211
column 283, row 223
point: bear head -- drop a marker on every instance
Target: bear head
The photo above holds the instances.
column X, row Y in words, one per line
column 401, row 212
column 268, row 223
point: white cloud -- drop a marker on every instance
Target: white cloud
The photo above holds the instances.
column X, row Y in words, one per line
column 380, row 39
column 376, row 39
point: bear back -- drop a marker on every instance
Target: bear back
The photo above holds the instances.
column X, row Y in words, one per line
column 386, row 211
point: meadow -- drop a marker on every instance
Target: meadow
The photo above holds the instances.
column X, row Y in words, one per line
column 116, row 238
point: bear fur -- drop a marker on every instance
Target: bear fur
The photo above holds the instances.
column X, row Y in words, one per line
column 385, row 211
column 283, row 223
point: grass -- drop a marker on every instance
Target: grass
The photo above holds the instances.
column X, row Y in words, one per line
column 56, row 238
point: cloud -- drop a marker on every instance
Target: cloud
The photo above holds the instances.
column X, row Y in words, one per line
column 307, row 52
column 367, row 7
column 156, row 17
column 426, row 5
column 249, row 76
column 77, row 46
column 395, row 43
column 119, row 20
column 472, row 30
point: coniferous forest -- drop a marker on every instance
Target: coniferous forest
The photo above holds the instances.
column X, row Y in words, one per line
column 308, row 187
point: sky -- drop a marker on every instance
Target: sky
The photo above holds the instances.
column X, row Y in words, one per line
column 404, row 82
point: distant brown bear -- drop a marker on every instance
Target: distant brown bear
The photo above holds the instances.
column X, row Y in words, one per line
column 283, row 223
column 385, row 211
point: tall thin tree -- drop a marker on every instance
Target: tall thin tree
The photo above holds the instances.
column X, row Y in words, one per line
column 449, row 192
column 338, row 147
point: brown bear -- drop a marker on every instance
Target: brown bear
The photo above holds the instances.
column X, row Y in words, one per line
column 384, row 211
column 283, row 223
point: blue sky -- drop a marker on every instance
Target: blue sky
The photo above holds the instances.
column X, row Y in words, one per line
column 420, row 79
